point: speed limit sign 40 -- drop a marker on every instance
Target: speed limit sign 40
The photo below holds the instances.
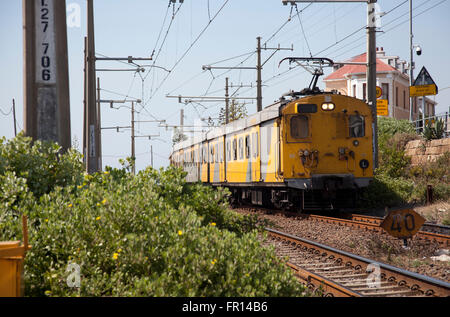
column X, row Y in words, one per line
column 402, row 224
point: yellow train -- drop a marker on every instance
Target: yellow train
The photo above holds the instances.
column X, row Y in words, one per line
column 309, row 150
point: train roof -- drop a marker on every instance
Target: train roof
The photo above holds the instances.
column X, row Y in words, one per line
column 270, row 112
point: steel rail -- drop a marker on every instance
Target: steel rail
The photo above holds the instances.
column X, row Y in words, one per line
column 373, row 223
column 399, row 281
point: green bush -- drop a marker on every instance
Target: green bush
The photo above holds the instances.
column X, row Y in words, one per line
column 146, row 235
column 396, row 182
column 41, row 164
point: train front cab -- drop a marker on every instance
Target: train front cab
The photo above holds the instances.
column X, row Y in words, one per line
column 327, row 147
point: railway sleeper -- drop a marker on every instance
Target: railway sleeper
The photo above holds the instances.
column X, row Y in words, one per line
column 393, row 293
column 339, row 278
column 378, row 288
column 334, row 272
column 334, row 268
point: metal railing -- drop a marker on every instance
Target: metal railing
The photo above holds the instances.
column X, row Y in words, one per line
column 445, row 117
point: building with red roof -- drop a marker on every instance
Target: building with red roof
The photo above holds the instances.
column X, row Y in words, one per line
column 392, row 78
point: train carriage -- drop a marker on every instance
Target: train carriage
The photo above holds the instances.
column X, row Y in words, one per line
column 309, row 150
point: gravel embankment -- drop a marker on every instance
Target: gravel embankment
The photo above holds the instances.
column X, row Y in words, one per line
column 372, row 245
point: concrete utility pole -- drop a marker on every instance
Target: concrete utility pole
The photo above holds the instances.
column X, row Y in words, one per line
column 411, row 60
column 181, row 120
column 99, row 125
column 151, row 155
column 46, row 73
column 85, row 104
column 372, row 75
column 258, row 76
column 133, row 147
column 92, row 141
column 14, row 116
column 258, row 67
column 226, row 102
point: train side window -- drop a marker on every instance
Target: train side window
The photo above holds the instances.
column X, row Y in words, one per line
column 228, row 151
column 204, row 153
column 241, row 149
column 216, row 151
column 299, row 127
column 255, row 144
column 356, row 126
column 247, row 146
column 211, row 157
column 234, row 150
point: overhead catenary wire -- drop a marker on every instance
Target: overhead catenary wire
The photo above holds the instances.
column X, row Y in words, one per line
column 187, row 51
column 6, row 113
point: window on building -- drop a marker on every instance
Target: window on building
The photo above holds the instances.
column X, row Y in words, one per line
column 356, row 126
column 385, row 95
column 404, row 99
column 396, row 97
column 299, row 127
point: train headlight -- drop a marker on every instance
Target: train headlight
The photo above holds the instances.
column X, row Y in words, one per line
column 306, row 152
column 355, row 142
column 328, row 106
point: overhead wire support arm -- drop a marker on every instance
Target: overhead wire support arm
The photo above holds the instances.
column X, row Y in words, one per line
column 130, row 59
column 207, row 97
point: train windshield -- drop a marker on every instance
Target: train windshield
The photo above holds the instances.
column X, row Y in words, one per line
column 356, row 126
column 299, row 127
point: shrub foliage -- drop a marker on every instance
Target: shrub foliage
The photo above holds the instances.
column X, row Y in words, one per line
column 146, row 235
column 396, row 181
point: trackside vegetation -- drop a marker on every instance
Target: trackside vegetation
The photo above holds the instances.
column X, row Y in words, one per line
column 146, row 235
column 396, row 181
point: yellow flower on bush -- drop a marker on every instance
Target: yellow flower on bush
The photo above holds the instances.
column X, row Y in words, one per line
column 180, row 232
column 213, row 224
column 46, row 220
column 69, row 205
column 106, row 172
column 120, row 250
column 98, row 218
column 104, row 201
column 115, row 256
column 214, row 261
column 48, row 293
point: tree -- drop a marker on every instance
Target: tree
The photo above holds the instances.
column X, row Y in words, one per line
column 236, row 111
column 178, row 136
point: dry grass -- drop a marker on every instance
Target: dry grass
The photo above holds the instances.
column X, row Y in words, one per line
column 438, row 212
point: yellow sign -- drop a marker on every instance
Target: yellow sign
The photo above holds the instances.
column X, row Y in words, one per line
column 402, row 224
column 379, row 92
column 382, row 107
column 422, row 90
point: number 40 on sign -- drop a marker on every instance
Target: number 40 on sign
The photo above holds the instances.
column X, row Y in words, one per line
column 402, row 224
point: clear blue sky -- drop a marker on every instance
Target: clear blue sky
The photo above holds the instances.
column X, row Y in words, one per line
column 132, row 27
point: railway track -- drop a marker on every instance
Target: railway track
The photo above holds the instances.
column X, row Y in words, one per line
column 429, row 231
column 331, row 272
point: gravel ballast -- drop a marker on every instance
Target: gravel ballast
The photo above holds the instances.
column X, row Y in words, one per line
column 377, row 246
